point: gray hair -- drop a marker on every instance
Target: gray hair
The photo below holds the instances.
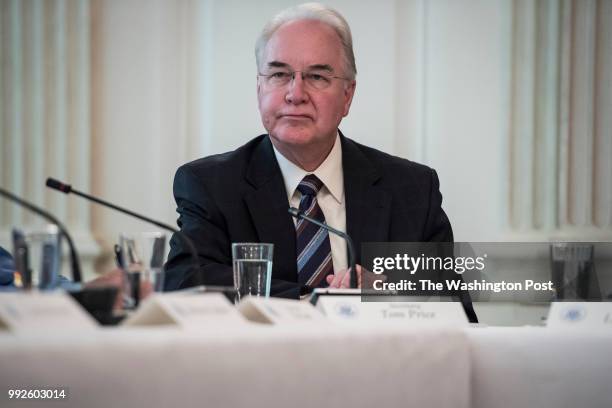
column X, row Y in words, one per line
column 311, row 11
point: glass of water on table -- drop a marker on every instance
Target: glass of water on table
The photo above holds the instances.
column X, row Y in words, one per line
column 252, row 269
column 142, row 256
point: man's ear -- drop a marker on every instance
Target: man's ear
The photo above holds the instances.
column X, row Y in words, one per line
column 349, row 92
column 258, row 93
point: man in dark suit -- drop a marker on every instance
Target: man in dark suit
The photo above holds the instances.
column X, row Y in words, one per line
column 306, row 83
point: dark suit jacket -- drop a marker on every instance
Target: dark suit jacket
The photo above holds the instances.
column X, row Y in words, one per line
column 240, row 197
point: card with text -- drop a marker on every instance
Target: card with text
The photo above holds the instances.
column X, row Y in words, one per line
column 42, row 312
column 186, row 310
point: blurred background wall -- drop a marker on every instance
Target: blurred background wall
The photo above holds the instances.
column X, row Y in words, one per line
column 509, row 100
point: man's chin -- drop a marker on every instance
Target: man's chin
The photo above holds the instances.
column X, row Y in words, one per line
column 294, row 137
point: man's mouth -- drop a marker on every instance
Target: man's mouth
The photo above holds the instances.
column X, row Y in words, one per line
column 295, row 116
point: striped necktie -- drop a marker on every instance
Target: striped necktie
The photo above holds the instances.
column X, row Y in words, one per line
column 314, row 260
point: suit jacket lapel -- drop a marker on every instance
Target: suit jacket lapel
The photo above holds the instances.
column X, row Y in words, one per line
column 268, row 207
column 367, row 205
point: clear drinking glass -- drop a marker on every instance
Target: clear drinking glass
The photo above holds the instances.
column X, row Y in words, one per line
column 142, row 257
column 573, row 270
column 252, row 269
column 38, row 257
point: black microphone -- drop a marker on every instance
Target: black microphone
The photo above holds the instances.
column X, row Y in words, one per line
column 67, row 188
column 74, row 256
column 349, row 242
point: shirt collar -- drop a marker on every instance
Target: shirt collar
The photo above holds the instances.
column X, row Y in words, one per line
column 329, row 172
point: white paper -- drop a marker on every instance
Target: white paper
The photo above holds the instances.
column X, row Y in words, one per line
column 42, row 311
column 185, row 310
column 279, row 311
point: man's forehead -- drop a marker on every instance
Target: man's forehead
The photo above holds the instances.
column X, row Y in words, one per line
column 304, row 43
column 299, row 28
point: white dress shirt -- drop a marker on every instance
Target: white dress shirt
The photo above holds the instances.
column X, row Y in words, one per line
column 330, row 197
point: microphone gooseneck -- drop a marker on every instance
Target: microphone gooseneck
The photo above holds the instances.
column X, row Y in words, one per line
column 74, row 256
column 349, row 242
column 67, row 189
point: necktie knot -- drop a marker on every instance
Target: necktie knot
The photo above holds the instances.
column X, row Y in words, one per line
column 310, row 185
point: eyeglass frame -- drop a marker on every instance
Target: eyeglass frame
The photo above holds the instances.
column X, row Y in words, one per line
column 292, row 77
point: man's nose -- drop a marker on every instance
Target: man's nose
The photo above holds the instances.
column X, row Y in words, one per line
column 296, row 93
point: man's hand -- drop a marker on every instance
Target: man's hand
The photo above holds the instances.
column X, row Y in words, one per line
column 342, row 278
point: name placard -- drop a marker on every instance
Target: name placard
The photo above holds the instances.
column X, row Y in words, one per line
column 582, row 315
column 352, row 309
column 186, row 310
column 279, row 311
column 42, row 312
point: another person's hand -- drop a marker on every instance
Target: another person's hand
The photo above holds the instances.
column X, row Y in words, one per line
column 116, row 278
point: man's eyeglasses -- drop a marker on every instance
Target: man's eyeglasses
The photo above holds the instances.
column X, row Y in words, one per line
column 314, row 79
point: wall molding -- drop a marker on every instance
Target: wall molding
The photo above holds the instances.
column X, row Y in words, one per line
column 559, row 150
column 45, row 129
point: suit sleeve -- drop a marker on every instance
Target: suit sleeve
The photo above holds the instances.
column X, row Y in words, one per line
column 437, row 226
column 438, row 229
column 201, row 220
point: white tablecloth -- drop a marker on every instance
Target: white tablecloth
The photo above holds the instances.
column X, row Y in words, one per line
column 313, row 366
column 540, row 367
column 256, row 366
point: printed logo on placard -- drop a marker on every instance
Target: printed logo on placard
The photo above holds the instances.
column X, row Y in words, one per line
column 346, row 310
column 573, row 314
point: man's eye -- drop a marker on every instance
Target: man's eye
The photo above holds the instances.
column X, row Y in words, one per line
column 317, row 77
column 279, row 75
